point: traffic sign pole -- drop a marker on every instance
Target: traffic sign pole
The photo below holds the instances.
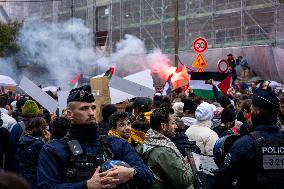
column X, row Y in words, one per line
column 200, row 45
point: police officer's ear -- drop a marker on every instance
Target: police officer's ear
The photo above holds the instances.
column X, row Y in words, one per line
column 69, row 114
column 68, row 110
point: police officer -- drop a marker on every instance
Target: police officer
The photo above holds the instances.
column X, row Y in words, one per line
column 74, row 161
column 256, row 160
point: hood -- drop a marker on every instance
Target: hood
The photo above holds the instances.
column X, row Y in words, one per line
column 216, row 122
column 188, row 121
column 144, row 151
column 204, row 124
column 26, row 140
column 4, row 111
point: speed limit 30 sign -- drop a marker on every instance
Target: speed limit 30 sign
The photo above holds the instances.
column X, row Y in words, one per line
column 200, row 45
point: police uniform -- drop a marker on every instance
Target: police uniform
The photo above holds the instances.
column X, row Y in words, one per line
column 256, row 160
column 71, row 161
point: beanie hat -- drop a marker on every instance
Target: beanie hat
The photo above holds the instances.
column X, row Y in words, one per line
column 266, row 100
column 108, row 110
column 204, row 111
column 178, row 108
column 143, row 104
column 140, row 102
column 3, row 101
column 189, row 106
column 30, row 109
column 228, row 115
column 157, row 100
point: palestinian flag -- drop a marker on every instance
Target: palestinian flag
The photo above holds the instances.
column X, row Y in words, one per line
column 73, row 83
column 109, row 73
column 221, row 80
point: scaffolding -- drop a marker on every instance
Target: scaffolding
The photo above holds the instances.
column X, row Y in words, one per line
column 223, row 23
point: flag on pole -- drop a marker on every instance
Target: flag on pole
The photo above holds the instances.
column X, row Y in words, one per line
column 109, row 73
column 73, row 83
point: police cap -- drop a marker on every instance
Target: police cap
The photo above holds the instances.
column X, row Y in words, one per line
column 266, row 100
column 81, row 94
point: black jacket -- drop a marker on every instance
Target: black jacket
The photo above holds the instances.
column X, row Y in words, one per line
column 241, row 162
column 181, row 141
column 4, row 146
column 222, row 131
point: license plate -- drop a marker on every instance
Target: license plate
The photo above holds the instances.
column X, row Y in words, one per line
column 273, row 162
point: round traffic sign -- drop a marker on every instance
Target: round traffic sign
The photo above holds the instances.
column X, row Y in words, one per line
column 223, row 66
column 200, row 45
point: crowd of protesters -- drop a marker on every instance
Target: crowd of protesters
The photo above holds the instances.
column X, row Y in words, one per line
column 154, row 133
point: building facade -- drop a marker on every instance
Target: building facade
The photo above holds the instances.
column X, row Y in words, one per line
column 223, row 23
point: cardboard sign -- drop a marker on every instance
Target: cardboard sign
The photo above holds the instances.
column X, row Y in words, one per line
column 100, row 86
column 39, row 95
column 100, row 90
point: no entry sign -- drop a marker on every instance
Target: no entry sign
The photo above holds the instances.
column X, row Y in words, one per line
column 200, row 45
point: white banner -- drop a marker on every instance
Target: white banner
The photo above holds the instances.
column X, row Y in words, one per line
column 38, row 94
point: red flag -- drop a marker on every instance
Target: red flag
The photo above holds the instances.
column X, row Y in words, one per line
column 225, row 84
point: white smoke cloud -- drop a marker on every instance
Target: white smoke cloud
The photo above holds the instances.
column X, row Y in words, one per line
column 64, row 49
column 59, row 51
column 131, row 56
column 8, row 67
